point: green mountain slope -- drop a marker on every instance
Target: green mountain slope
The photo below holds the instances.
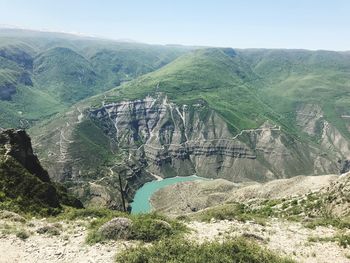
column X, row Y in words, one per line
column 249, row 87
column 42, row 74
column 65, row 74
column 292, row 77
column 218, row 76
column 220, row 113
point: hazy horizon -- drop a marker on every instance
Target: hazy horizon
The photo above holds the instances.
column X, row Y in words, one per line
column 312, row 25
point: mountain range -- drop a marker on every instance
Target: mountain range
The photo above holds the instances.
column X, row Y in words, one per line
column 98, row 109
column 256, row 143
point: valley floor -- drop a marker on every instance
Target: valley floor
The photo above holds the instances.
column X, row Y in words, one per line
column 287, row 238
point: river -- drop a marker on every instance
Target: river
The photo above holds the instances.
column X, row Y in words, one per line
column 141, row 203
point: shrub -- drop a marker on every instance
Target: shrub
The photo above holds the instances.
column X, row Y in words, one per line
column 150, row 228
column 234, row 211
column 343, row 240
column 145, row 227
column 49, row 229
column 181, row 250
column 11, row 216
column 329, row 221
column 22, row 234
column 70, row 213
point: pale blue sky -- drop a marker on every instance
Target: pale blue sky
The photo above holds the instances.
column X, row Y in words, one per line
column 310, row 24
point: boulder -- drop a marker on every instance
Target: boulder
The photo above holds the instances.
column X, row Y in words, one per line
column 117, row 228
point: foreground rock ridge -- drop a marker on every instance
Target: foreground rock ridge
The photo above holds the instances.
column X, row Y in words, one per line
column 17, row 144
column 280, row 221
column 24, row 184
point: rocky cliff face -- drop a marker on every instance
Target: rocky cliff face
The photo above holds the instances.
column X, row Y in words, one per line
column 17, row 144
column 145, row 139
column 310, row 118
column 177, row 140
column 24, row 185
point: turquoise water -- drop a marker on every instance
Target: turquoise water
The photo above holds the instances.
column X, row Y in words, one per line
column 142, row 197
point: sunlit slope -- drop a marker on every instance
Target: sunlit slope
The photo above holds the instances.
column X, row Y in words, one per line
column 44, row 73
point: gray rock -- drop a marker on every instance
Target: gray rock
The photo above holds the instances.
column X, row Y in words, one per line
column 117, row 228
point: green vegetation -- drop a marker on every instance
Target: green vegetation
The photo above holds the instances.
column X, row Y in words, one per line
column 51, row 229
column 70, row 213
column 292, row 77
column 256, row 211
column 341, row 223
column 289, row 209
column 249, row 87
column 89, row 138
column 151, row 227
column 145, row 227
column 51, row 71
column 180, row 250
column 69, row 83
column 24, row 193
column 343, row 240
column 9, row 229
column 233, row 211
column 214, row 75
column 25, row 186
column 22, row 234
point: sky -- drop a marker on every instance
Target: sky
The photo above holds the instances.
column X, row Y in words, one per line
column 308, row 24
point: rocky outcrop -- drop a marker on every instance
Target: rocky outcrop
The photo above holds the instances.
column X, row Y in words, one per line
column 117, row 228
column 24, row 185
column 310, row 119
column 177, row 140
column 17, row 144
column 336, row 197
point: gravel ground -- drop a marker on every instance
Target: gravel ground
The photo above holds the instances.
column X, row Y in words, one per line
column 286, row 238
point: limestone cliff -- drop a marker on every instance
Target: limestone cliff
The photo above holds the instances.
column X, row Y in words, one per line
column 177, row 140
column 141, row 140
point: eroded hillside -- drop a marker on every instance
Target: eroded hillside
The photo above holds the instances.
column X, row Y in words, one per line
column 207, row 113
